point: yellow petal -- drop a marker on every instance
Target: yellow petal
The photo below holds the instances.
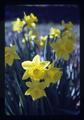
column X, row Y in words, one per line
column 9, row 58
column 28, row 84
column 10, row 62
column 28, row 92
column 45, row 63
column 36, row 59
column 25, row 75
column 26, row 64
column 37, row 93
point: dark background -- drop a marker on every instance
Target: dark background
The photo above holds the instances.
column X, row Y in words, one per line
column 45, row 13
column 62, row 105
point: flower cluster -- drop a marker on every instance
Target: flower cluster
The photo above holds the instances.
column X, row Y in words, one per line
column 41, row 74
column 39, row 70
column 28, row 21
column 65, row 44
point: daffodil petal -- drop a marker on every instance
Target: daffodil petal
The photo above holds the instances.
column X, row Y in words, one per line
column 45, row 63
column 10, row 62
column 36, row 59
column 25, row 75
column 26, row 64
column 28, row 84
column 28, row 92
column 36, row 94
column 16, row 56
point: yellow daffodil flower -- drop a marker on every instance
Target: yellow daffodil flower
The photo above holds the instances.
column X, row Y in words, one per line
column 33, row 17
column 18, row 25
column 10, row 55
column 30, row 20
column 63, row 48
column 52, row 75
column 35, row 69
column 43, row 40
column 54, row 32
column 36, row 89
column 67, row 26
column 32, row 35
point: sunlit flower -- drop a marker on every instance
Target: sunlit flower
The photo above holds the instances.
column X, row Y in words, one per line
column 35, row 69
column 10, row 55
column 52, row 75
column 54, row 32
column 63, row 48
column 18, row 25
column 33, row 17
column 30, row 20
column 36, row 89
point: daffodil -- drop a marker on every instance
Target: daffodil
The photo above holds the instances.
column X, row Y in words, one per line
column 67, row 26
column 30, row 20
column 43, row 40
column 33, row 17
column 36, row 89
column 10, row 55
column 54, row 32
column 63, row 48
column 35, row 69
column 52, row 75
column 32, row 35
column 18, row 25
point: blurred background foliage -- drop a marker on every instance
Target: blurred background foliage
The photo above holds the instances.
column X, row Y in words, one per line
column 63, row 98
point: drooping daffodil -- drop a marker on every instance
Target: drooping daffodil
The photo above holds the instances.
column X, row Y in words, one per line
column 52, row 75
column 36, row 89
column 10, row 55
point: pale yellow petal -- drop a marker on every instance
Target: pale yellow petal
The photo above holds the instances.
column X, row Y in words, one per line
column 25, row 75
column 28, row 84
column 45, row 63
column 26, row 64
column 36, row 59
column 28, row 92
column 10, row 62
column 36, row 94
